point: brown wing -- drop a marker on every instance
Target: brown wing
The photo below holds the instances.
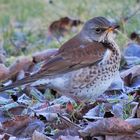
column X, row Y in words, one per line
column 74, row 54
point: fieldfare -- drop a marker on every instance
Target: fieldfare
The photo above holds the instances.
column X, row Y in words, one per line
column 84, row 66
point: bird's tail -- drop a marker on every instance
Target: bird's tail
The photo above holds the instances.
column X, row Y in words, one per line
column 21, row 82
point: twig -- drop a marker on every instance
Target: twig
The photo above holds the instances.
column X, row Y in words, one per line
column 132, row 14
column 68, row 121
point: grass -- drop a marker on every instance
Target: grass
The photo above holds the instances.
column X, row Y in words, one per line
column 35, row 16
column 20, row 10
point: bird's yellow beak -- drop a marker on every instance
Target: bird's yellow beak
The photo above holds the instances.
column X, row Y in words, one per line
column 112, row 28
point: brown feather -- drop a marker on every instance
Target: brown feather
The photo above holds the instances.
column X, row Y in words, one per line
column 74, row 54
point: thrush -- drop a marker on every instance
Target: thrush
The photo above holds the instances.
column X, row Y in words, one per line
column 83, row 67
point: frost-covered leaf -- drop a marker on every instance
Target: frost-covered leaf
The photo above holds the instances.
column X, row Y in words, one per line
column 22, row 126
column 110, row 126
column 132, row 49
column 69, row 138
column 40, row 136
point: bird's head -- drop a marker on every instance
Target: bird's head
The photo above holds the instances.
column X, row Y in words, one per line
column 99, row 29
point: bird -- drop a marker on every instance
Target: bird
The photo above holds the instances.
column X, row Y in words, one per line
column 84, row 66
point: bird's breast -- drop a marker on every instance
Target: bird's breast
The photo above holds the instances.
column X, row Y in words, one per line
column 92, row 81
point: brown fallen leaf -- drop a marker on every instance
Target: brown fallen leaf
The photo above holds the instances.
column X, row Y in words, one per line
column 16, row 110
column 69, row 107
column 7, row 137
column 66, row 132
column 135, row 36
column 40, row 136
column 107, row 126
column 131, row 75
column 123, row 137
column 14, row 124
column 22, row 126
column 44, row 55
column 135, row 71
column 24, row 63
column 134, row 122
column 4, row 72
column 136, row 111
column 66, row 123
column 62, row 26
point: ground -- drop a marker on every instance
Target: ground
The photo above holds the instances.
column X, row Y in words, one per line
column 24, row 31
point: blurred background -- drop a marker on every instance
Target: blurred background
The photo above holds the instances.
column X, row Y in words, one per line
column 29, row 26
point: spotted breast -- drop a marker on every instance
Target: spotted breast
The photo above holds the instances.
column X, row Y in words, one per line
column 90, row 82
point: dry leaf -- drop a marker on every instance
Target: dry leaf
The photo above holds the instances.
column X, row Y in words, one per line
column 7, row 137
column 105, row 110
column 123, row 137
column 134, row 122
column 131, row 61
column 24, row 64
column 4, row 72
column 132, row 49
column 71, row 131
column 136, row 111
column 50, row 109
column 135, row 71
column 22, row 126
column 135, row 36
column 49, row 112
column 117, row 83
column 110, row 126
column 69, row 138
column 69, row 107
column 44, row 55
column 98, row 138
column 11, row 126
column 131, row 76
column 63, row 100
column 39, row 136
column 95, row 112
column 16, row 110
column 62, row 26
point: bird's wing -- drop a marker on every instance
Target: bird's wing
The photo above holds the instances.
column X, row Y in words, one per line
column 74, row 54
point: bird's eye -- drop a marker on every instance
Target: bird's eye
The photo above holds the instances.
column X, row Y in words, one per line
column 98, row 30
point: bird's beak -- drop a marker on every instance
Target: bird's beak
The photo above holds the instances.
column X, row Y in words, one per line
column 112, row 28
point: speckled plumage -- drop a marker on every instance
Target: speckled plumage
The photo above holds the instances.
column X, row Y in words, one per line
column 83, row 67
column 90, row 82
